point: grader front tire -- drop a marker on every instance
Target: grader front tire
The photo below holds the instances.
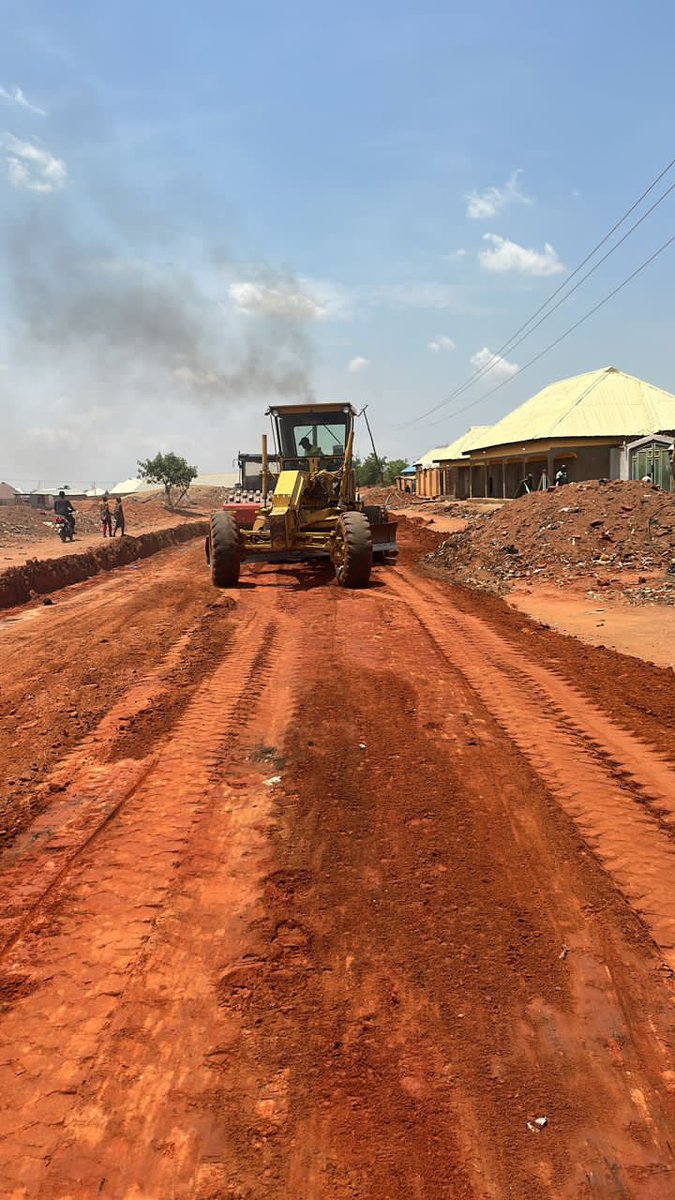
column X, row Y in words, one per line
column 354, row 559
column 225, row 550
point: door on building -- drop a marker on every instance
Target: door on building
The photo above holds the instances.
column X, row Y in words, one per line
column 652, row 460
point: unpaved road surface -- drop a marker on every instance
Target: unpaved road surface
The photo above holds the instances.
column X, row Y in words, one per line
column 325, row 895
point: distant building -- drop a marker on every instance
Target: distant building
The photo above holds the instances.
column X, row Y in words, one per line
column 452, row 468
column 221, row 479
column 132, row 487
column 10, row 494
column 428, row 479
column 407, row 480
column 44, row 497
column 601, row 425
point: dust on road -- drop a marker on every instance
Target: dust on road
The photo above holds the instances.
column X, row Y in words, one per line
column 330, row 895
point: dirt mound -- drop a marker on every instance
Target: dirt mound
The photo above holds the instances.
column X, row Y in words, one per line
column 424, row 507
column 388, row 496
column 584, row 529
column 39, row 576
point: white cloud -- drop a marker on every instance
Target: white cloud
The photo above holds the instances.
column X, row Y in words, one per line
column 287, row 301
column 15, row 95
column 358, row 364
column 31, row 167
column 493, row 365
column 441, row 343
column 488, row 203
column 504, row 255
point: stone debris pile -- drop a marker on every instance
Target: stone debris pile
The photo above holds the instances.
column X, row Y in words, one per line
column 619, row 529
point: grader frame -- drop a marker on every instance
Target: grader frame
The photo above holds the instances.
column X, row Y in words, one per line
column 310, row 508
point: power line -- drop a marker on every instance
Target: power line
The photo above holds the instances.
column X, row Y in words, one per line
column 511, row 342
column 566, row 333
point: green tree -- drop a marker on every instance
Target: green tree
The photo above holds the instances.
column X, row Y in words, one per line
column 393, row 469
column 171, row 471
column 369, row 472
column 373, row 470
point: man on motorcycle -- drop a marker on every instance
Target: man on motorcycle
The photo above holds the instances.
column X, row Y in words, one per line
column 63, row 508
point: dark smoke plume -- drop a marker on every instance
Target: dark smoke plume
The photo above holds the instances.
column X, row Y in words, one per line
column 105, row 316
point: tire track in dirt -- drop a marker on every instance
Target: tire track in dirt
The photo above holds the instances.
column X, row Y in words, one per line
column 150, row 1105
column 83, row 792
column 402, row 1003
column 65, row 666
column 620, row 792
column 79, row 943
column 348, row 984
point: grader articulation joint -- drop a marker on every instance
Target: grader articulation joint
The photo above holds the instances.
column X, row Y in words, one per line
column 310, row 508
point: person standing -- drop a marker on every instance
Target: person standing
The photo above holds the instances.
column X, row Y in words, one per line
column 106, row 518
column 561, row 477
column 119, row 517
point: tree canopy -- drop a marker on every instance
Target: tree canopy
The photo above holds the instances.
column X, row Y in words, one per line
column 373, row 470
column 170, row 470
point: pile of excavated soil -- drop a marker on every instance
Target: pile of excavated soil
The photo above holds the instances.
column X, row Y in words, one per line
column 584, row 530
column 390, row 498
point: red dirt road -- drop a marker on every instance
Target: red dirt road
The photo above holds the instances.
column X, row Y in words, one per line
column 327, row 895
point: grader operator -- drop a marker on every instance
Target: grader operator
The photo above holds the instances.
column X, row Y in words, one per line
column 310, row 508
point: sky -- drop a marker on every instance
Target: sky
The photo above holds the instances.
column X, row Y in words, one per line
column 206, row 208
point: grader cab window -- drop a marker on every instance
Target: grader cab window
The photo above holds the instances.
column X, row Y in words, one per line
column 308, row 435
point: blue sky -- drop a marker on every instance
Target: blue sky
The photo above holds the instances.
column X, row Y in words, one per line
column 209, row 206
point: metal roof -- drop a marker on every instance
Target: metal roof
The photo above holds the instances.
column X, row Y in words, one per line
column 428, row 459
column 456, row 449
column 226, row 479
column 130, row 487
column 606, row 403
column 310, row 407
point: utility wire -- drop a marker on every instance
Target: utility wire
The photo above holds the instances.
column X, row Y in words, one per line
column 567, row 332
column 511, row 342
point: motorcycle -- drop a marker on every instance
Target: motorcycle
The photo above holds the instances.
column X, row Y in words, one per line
column 65, row 527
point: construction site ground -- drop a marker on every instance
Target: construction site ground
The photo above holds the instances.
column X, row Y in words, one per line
column 326, row 895
column 594, row 561
column 27, row 532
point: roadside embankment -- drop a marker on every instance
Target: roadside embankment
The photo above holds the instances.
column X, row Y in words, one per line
column 37, row 577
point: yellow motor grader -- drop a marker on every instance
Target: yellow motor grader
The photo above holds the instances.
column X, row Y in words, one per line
column 309, row 507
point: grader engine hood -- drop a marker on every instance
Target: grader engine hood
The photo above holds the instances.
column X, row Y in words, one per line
column 286, row 501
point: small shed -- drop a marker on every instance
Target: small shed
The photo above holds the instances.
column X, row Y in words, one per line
column 406, row 481
column 652, row 455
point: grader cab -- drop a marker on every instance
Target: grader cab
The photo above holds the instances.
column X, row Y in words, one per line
column 310, row 508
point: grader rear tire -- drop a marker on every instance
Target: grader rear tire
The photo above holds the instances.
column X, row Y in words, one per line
column 225, row 550
column 354, row 560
